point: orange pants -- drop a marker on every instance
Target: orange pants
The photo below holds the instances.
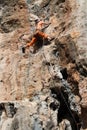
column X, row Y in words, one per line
column 34, row 39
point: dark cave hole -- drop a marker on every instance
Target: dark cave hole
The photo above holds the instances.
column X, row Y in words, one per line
column 84, row 117
column 1, row 108
column 64, row 73
column 64, row 111
column 60, row 1
column 55, row 52
column 82, row 70
column 54, row 106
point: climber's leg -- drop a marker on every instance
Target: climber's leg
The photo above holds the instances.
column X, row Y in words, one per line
column 41, row 34
column 32, row 42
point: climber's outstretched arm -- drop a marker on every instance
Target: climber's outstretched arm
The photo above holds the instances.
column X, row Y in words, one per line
column 32, row 42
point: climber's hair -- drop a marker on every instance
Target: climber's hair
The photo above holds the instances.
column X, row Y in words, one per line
column 36, row 21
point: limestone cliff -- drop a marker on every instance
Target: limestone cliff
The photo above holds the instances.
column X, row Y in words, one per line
column 43, row 87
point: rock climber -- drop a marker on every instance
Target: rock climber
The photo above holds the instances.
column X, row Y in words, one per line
column 38, row 33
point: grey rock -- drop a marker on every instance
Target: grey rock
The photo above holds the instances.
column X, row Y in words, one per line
column 37, row 125
column 10, row 110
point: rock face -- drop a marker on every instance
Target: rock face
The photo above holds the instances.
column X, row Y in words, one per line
column 44, row 86
column 14, row 22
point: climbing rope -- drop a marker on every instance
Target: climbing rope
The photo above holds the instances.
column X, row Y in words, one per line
column 28, row 70
column 60, row 90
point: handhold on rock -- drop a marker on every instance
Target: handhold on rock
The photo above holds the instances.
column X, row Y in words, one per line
column 1, row 80
column 64, row 73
